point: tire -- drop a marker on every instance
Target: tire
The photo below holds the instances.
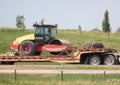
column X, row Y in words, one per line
column 98, row 45
column 84, row 59
column 95, row 60
column 109, row 60
column 27, row 48
column 88, row 45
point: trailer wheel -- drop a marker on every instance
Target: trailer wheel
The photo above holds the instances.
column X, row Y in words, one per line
column 27, row 48
column 109, row 60
column 95, row 60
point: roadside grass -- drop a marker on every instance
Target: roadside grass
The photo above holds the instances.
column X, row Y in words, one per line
column 78, row 39
column 58, row 67
column 55, row 79
column 7, row 35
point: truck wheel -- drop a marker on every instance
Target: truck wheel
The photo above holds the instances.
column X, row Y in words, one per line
column 27, row 48
column 98, row 45
column 109, row 60
column 95, row 60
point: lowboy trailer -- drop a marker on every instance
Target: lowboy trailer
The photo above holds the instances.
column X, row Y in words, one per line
column 30, row 47
column 93, row 56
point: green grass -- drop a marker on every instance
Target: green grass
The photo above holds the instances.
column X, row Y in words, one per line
column 55, row 79
column 52, row 66
column 78, row 39
column 7, row 35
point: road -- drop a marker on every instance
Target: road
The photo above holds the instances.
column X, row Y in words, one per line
column 64, row 71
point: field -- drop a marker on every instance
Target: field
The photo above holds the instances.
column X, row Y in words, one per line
column 57, row 79
column 7, row 36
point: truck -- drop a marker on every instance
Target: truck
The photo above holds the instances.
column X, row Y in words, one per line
column 93, row 56
column 29, row 48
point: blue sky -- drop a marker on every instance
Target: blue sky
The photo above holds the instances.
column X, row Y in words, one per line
column 67, row 14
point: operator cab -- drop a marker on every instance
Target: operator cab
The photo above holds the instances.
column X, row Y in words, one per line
column 44, row 33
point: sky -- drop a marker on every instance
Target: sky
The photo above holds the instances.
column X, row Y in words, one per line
column 68, row 14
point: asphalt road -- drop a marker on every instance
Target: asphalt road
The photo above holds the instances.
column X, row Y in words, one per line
column 64, row 71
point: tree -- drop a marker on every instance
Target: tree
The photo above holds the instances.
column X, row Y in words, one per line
column 20, row 21
column 80, row 29
column 105, row 23
column 42, row 22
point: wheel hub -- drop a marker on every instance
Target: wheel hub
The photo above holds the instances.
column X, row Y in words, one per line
column 95, row 61
column 26, row 49
column 110, row 61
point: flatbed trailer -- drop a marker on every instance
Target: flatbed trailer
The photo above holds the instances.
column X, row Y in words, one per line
column 83, row 56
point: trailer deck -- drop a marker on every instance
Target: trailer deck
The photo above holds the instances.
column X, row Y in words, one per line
column 80, row 55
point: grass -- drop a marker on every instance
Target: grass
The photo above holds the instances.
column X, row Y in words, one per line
column 78, row 39
column 49, row 66
column 7, row 35
column 55, row 79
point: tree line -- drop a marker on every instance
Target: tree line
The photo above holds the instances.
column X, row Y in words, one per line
column 105, row 23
